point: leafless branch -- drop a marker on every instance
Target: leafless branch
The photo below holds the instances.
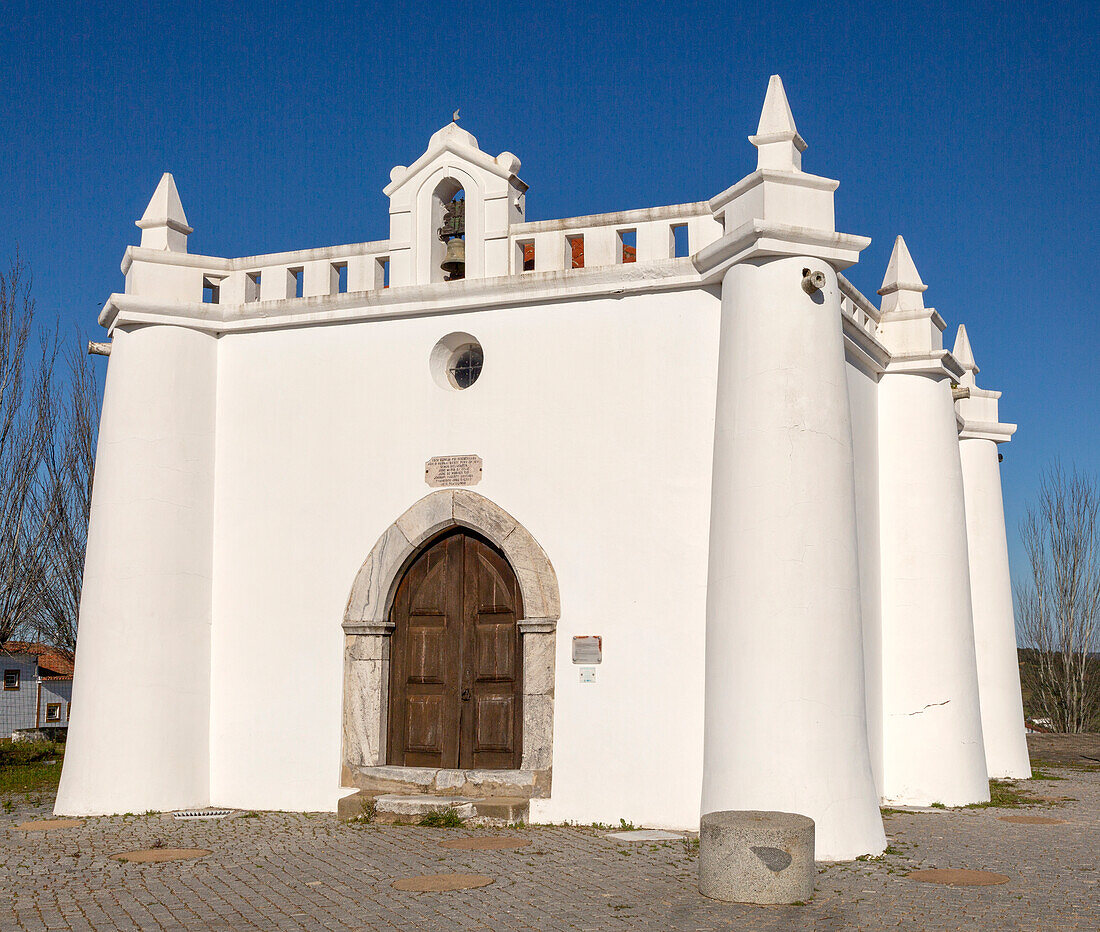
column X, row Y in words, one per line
column 27, row 421
column 1058, row 606
column 69, row 467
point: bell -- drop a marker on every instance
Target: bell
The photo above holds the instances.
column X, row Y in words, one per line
column 454, row 263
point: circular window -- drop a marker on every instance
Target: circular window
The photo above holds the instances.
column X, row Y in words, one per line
column 466, row 365
column 456, row 361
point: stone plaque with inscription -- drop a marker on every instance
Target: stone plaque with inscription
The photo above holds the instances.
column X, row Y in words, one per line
column 463, row 469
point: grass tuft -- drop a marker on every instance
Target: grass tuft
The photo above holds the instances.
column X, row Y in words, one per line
column 440, row 818
column 1005, row 794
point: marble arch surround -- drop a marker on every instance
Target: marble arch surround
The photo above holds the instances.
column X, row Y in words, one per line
column 367, row 627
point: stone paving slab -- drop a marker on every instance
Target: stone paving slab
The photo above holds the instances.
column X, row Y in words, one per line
column 645, row 834
column 284, row 871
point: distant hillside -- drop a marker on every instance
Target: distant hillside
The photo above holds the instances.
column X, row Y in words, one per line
column 1029, row 666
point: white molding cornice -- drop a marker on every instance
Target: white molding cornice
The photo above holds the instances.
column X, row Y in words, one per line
column 762, row 238
column 472, row 294
column 939, row 363
column 751, row 180
column 986, row 430
column 871, row 353
column 919, row 313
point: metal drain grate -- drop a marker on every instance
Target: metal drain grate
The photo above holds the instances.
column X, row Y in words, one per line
column 201, row 813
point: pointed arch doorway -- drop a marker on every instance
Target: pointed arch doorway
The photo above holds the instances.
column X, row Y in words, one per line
column 369, row 628
column 456, row 664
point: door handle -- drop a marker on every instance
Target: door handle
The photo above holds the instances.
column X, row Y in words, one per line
column 466, row 694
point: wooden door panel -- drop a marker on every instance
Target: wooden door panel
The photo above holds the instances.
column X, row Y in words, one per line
column 429, row 589
column 495, row 726
column 424, row 725
column 496, row 648
column 426, row 644
column 494, row 582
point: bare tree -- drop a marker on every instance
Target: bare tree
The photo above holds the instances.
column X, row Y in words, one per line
column 69, row 465
column 27, row 419
column 1058, row 606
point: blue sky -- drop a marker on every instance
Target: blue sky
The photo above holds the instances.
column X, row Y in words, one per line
column 968, row 128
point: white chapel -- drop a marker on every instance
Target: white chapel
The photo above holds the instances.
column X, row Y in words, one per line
column 637, row 515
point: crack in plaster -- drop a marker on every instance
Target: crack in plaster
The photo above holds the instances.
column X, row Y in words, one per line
column 930, row 706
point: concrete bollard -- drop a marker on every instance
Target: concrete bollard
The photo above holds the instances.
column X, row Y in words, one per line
column 756, row 857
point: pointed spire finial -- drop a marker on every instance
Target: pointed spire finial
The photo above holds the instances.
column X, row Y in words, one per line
column 902, row 288
column 454, row 116
column 779, row 145
column 965, row 354
column 164, row 224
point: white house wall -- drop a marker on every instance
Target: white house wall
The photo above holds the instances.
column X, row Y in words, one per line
column 594, row 420
column 18, row 706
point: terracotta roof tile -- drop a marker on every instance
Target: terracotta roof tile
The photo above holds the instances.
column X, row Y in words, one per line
column 49, row 658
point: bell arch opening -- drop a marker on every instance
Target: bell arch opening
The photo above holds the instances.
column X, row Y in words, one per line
column 369, row 626
column 448, row 226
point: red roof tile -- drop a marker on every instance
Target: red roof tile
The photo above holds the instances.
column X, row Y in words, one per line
column 49, row 658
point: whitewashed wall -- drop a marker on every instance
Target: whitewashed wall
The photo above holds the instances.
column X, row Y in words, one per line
column 863, row 398
column 595, row 423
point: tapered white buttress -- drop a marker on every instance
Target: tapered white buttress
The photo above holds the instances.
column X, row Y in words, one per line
column 785, row 717
column 994, row 628
column 139, row 731
column 932, row 730
column 990, row 582
column 785, row 724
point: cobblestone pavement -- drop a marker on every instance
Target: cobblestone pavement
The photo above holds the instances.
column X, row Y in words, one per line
column 290, row 871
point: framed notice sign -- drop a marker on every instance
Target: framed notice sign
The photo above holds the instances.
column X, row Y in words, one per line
column 588, row 649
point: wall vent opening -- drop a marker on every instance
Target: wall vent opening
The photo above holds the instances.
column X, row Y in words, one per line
column 525, row 256
column 211, row 290
column 680, row 241
column 194, row 814
column 628, row 245
column 576, row 250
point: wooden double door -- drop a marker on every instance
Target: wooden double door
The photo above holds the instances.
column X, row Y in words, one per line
column 456, row 664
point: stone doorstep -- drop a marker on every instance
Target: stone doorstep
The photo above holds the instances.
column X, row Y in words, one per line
column 506, row 808
column 475, row 784
column 393, row 807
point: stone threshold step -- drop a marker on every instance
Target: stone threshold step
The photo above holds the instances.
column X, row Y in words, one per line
column 394, row 807
column 475, row 784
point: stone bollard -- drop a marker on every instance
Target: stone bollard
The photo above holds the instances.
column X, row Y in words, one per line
column 756, row 857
